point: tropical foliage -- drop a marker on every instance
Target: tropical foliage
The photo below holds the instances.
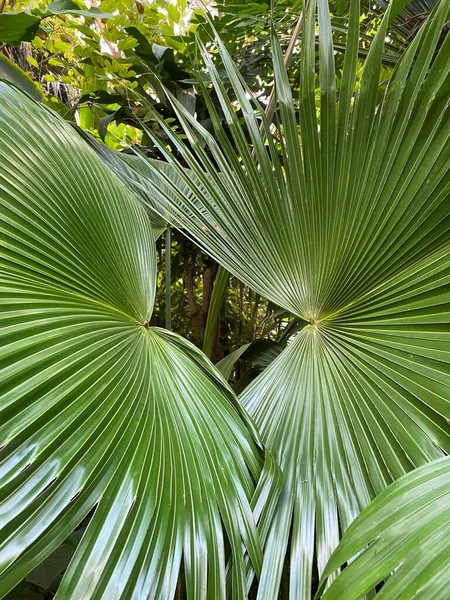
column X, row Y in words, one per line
column 129, row 468
column 344, row 222
column 92, row 63
column 98, row 409
column 404, row 531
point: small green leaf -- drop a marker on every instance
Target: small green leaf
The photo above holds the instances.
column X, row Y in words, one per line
column 127, row 44
column 32, row 61
column 57, row 62
column 173, row 13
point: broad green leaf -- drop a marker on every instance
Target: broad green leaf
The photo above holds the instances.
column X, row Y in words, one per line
column 123, row 166
column 99, row 411
column 349, row 231
column 59, row 7
column 352, row 403
column 18, row 27
column 402, row 537
column 138, row 176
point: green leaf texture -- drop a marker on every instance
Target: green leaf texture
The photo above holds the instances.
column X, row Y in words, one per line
column 351, row 404
column 122, row 165
column 216, row 304
column 342, row 217
column 402, row 537
column 98, row 411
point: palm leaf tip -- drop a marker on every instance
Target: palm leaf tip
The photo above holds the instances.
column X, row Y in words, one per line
column 98, row 410
column 345, row 223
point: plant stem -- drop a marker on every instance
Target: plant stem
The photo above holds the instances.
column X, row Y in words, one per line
column 168, row 265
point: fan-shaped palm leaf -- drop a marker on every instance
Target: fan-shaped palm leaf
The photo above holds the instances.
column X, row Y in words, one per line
column 342, row 219
column 402, row 537
column 97, row 409
column 138, row 175
column 141, row 186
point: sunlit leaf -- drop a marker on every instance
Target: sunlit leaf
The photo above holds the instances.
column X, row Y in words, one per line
column 402, row 537
column 100, row 411
column 341, row 217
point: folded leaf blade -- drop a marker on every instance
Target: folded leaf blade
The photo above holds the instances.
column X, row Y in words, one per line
column 351, row 235
column 101, row 414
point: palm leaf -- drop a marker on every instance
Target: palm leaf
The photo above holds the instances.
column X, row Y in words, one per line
column 138, row 175
column 140, row 184
column 402, row 537
column 99, row 411
column 341, row 218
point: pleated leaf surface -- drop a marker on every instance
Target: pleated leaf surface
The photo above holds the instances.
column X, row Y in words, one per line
column 101, row 414
column 339, row 213
column 402, row 540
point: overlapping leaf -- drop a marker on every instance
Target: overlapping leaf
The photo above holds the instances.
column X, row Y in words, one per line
column 98, row 410
column 141, row 186
column 138, row 175
column 341, row 217
column 403, row 541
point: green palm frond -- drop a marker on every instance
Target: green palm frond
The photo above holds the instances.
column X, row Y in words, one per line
column 342, row 217
column 99, row 411
column 402, row 539
column 138, row 175
column 140, row 184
